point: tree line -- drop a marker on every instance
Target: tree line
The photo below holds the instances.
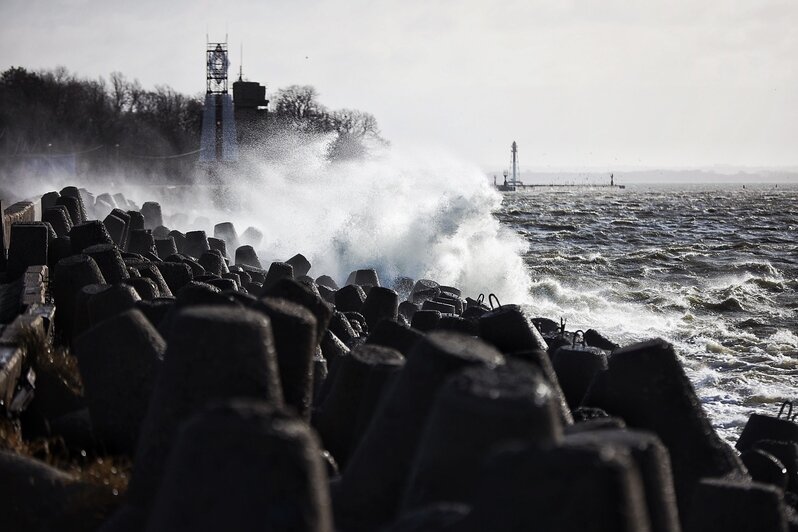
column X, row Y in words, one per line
column 51, row 112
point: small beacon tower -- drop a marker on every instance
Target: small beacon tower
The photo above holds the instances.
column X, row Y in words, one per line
column 514, row 151
column 218, row 142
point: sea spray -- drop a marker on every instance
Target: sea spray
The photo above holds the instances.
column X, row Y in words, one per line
column 404, row 214
column 410, row 213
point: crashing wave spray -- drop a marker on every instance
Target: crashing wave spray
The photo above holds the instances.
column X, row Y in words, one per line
column 403, row 214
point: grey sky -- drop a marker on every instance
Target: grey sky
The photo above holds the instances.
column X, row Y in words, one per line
column 594, row 83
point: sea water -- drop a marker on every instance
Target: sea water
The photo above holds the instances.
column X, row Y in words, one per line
column 711, row 268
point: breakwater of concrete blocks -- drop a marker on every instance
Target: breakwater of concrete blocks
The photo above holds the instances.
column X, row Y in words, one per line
column 155, row 380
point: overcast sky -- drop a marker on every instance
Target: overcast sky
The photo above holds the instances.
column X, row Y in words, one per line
column 594, row 83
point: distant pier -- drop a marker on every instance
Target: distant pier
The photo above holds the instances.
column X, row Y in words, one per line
column 513, row 184
column 564, row 185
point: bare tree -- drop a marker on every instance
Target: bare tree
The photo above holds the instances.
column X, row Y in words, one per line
column 298, row 102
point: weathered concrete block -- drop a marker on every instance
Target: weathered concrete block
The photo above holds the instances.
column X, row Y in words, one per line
column 371, row 487
column 475, row 410
column 269, row 461
column 359, row 380
column 646, row 386
column 118, row 361
column 194, row 374
column 28, row 247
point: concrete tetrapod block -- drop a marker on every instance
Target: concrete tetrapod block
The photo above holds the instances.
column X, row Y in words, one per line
column 246, row 256
column 277, row 271
column 196, row 244
column 326, row 280
column 576, row 366
column 337, row 421
column 300, row 264
column 88, row 234
column 114, row 300
column 423, row 290
column 646, row 386
column 594, row 338
column 176, row 275
column 72, row 274
column 392, row 334
column 74, row 206
column 358, row 323
column 654, row 465
column 118, row 361
column 244, row 466
column 28, row 247
column 146, row 288
column 117, row 227
column 456, row 323
column 443, row 308
column 477, row 409
column 371, row 488
column 165, row 246
column 340, row 325
column 563, row 489
column 226, row 231
column 350, row 298
column 58, row 218
column 787, row 454
column 364, row 277
column 426, row 320
column 156, row 310
column 225, row 285
column 456, row 302
column 308, row 297
column 151, row 210
column 213, row 263
column 243, row 275
column 381, row 303
column 333, row 350
column 81, row 319
column 73, row 192
column 509, row 329
column 136, row 220
column 541, row 361
column 110, row 262
column 765, row 468
column 764, row 427
column 150, row 270
column 48, row 200
column 141, row 241
column 214, row 353
column 408, row 309
column 180, row 240
column 218, row 245
column 723, row 505
column 60, row 248
column 294, row 329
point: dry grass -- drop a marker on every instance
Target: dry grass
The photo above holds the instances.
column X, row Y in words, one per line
column 111, row 472
column 44, row 357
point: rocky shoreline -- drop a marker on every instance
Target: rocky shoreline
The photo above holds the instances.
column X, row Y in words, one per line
column 159, row 380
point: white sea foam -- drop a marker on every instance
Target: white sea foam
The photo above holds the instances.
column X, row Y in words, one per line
column 416, row 214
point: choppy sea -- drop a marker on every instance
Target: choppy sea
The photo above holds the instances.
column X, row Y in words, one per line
column 712, row 269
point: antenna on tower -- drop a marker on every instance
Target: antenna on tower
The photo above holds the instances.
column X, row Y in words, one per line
column 241, row 65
